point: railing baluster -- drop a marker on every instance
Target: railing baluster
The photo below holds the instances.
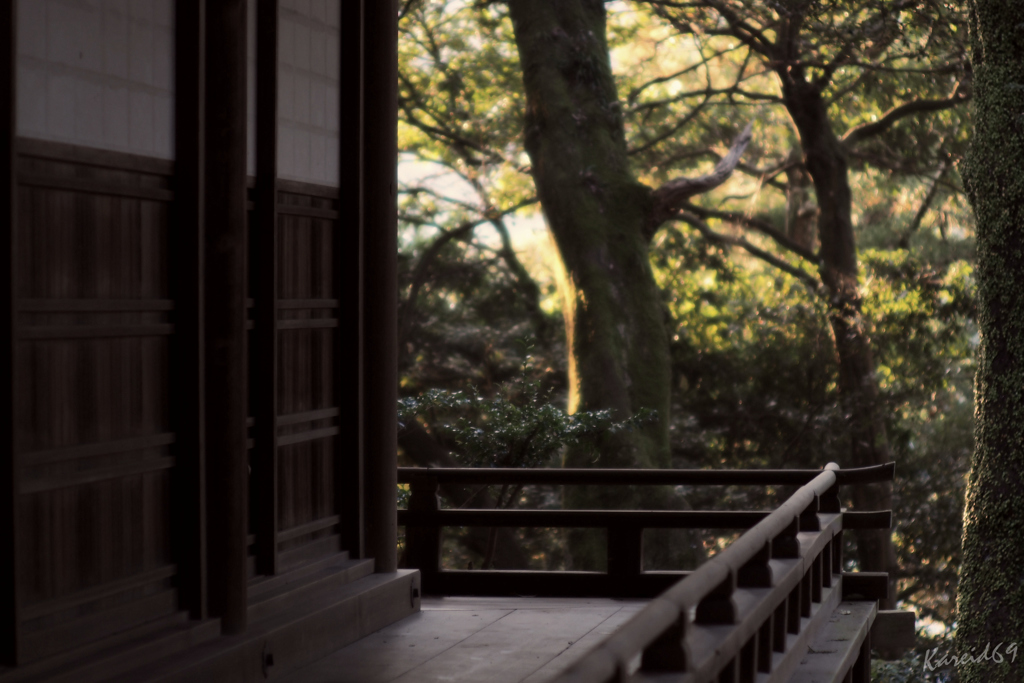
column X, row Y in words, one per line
column 748, row 661
column 718, row 606
column 805, row 593
column 816, row 576
column 780, row 622
column 837, row 553
column 765, row 644
column 730, row 673
column 424, row 541
column 809, row 517
column 826, row 566
column 757, row 573
column 862, row 667
column 625, row 551
column 830, row 500
column 668, row 652
column 793, row 611
column 785, row 546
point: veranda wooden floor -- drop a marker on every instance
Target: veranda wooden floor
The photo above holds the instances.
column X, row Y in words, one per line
column 475, row 640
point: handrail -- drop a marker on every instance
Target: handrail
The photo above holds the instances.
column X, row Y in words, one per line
column 658, row 633
column 746, row 609
column 668, row 477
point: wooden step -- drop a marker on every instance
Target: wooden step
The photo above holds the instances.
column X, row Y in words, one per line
column 101, row 660
column 321, row 618
column 275, row 594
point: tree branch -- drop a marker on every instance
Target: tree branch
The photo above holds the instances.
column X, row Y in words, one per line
column 866, row 130
column 673, row 194
column 925, row 205
column 812, row 282
column 760, row 226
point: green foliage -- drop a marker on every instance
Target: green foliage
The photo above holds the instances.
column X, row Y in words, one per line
column 518, row 426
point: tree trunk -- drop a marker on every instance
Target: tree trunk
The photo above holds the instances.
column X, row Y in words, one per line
column 598, row 213
column 990, row 605
column 801, row 212
column 825, row 159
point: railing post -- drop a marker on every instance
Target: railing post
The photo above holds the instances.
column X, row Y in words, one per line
column 805, row 593
column 718, row 606
column 816, row 576
column 424, row 540
column 780, row 623
column 826, row 565
column 809, row 517
column 625, row 552
column 748, row 661
column 785, row 546
column 668, row 652
column 757, row 573
column 830, row 500
column 765, row 644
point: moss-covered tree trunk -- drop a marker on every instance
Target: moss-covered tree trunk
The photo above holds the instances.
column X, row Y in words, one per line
column 990, row 604
column 596, row 211
column 599, row 214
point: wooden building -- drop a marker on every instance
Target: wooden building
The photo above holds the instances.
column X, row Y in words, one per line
column 198, row 212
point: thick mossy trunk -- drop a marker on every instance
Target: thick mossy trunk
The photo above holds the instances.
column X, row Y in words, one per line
column 596, row 210
column 825, row 159
column 990, row 604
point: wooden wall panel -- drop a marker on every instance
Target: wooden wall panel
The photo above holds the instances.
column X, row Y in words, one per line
column 93, row 423
column 306, row 394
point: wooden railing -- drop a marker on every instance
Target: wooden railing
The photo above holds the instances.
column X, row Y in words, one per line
column 747, row 614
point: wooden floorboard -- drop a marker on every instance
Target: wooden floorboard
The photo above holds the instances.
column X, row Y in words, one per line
column 472, row 639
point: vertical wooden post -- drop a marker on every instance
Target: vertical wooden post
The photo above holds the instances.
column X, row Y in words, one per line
column 625, row 553
column 423, row 542
column 748, row 661
column 780, row 625
column 785, row 546
column 861, row 672
column 718, row 606
column 826, row 565
column 837, row 553
column 8, row 220
column 669, row 652
column 225, row 253
column 348, row 471
column 809, row 517
column 187, row 401
column 757, row 572
column 805, row 593
column 379, row 288
column 264, row 271
column 765, row 645
column 816, row 576
column 793, row 609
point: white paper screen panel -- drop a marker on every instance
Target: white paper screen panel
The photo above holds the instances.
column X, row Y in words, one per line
column 308, row 66
column 97, row 73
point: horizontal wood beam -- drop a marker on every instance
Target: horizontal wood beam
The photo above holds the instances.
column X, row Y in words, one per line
column 511, row 475
column 609, row 519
